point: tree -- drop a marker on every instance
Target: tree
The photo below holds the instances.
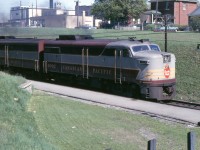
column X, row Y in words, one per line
column 118, row 11
column 195, row 22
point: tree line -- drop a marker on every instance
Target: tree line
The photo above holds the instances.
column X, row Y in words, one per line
column 118, row 11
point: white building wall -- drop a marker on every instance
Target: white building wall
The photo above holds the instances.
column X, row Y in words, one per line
column 59, row 12
column 71, row 12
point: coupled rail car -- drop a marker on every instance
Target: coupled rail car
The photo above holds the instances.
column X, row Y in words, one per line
column 137, row 66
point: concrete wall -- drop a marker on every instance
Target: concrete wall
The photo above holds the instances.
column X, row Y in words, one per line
column 66, row 21
column 57, row 21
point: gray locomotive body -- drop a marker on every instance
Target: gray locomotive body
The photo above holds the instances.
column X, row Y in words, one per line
column 138, row 66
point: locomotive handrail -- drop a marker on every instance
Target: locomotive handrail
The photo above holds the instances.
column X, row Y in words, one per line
column 119, row 66
column 37, row 65
column 45, row 66
column 85, row 63
column 5, row 55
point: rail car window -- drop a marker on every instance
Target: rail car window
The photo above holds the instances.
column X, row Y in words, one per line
column 109, row 52
column 154, row 47
column 73, row 50
column 140, row 48
column 54, row 50
column 95, row 51
column 23, row 47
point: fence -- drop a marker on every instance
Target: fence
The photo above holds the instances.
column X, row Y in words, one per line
column 191, row 138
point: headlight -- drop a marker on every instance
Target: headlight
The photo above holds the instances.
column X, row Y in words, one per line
column 166, row 58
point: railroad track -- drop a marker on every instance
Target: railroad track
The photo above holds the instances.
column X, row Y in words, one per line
column 182, row 104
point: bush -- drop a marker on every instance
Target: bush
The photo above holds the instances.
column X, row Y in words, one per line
column 149, row 27
column 195, row 23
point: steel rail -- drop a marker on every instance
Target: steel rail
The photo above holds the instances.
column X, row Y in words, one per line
column 183, row 104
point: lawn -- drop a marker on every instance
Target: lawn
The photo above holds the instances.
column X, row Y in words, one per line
column 42, row 121
column 18, row 129
column 74, row 125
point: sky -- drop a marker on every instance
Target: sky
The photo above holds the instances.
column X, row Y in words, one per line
column 66, row 4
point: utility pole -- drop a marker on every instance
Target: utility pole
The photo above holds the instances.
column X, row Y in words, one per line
column 156, row 12
column 165, row 18
column 36, row 9
column 77, row 12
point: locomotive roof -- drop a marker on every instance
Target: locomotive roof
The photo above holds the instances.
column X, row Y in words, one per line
column 98, row 42
column 128, row 43
column 87, row 42
column 20, row 41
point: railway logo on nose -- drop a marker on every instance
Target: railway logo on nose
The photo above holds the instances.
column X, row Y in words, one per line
column 166, row 71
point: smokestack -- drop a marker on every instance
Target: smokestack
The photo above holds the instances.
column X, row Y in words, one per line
column 83, row 18
column 51, row 4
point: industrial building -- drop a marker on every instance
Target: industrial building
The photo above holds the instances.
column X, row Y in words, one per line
column 54, row 16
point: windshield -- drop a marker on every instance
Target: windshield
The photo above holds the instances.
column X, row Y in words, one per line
column 154, row 47
column 139, row 48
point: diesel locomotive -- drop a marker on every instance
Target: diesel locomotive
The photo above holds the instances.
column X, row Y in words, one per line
column 137, row 66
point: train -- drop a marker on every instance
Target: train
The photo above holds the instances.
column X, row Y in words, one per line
column 135, row 66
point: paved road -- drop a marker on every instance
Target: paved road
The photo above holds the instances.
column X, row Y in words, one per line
column 184, row 114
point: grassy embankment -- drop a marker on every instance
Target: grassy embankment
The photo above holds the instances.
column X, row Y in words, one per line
column 48, row 122
column 18, row 129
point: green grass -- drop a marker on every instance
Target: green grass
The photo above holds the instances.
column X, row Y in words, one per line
column 41, row 121
column 18, row 129
column 73, row 125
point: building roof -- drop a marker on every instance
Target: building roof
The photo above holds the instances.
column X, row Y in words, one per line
column 150, row 12
column 196, row 12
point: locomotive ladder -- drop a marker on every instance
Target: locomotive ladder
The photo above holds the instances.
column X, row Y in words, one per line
column 117, row 70
column 85, row 62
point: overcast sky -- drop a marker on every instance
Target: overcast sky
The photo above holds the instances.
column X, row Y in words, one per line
column 67, row 4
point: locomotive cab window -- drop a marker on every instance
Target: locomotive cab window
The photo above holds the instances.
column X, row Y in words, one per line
column 154, row 48
column 140, row 48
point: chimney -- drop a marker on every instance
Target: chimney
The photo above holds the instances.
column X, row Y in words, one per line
column 51, row 4
column 83, row 18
